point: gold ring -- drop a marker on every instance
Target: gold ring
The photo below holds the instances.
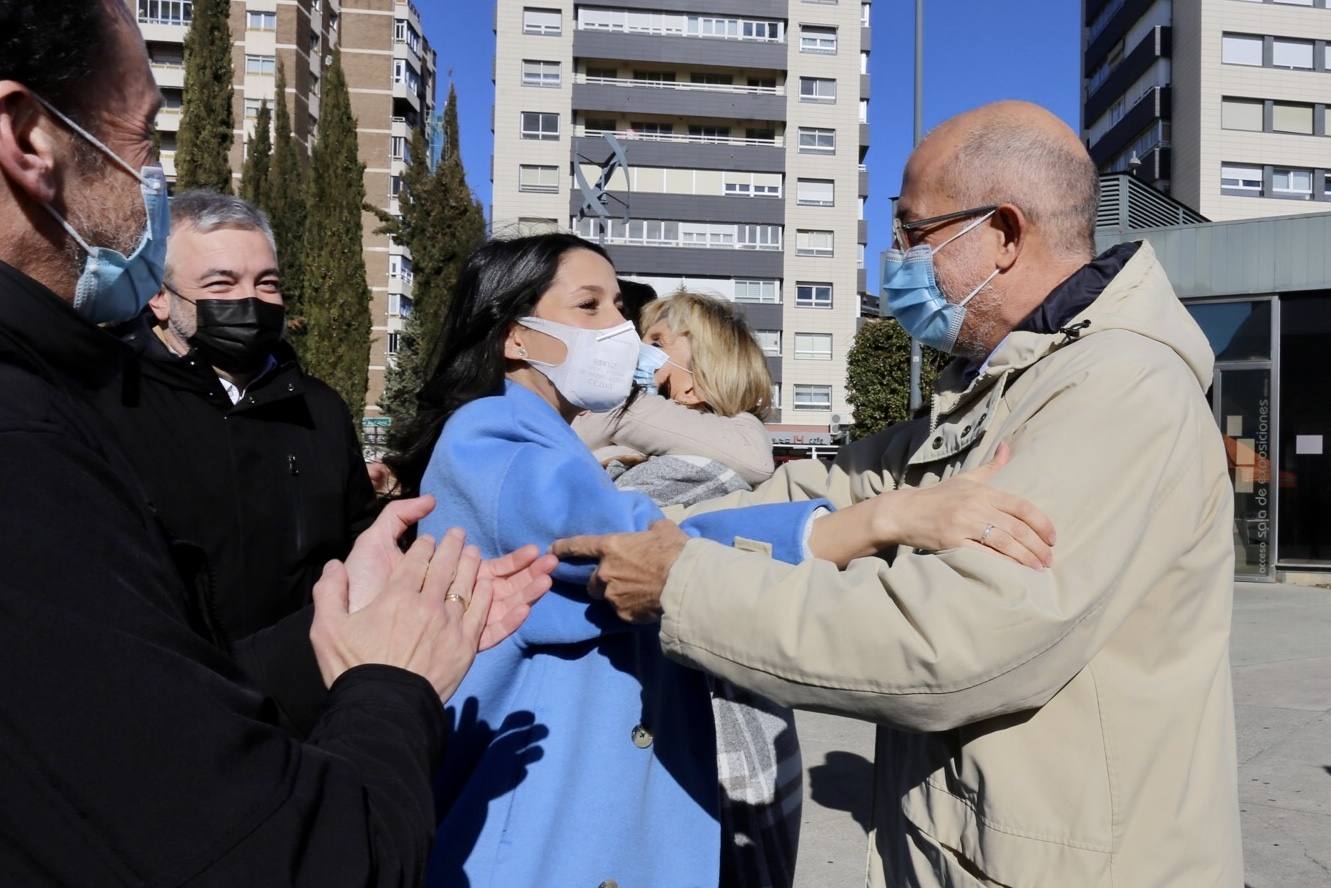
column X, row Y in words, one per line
column 453, row 596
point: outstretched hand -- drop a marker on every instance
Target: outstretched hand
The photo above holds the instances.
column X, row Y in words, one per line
column 633, row 567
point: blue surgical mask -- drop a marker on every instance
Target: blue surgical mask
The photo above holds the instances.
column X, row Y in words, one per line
column 114, row 287
column 650, row 359
column 911, row 294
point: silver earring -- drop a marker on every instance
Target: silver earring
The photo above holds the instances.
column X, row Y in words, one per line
column 522, row 352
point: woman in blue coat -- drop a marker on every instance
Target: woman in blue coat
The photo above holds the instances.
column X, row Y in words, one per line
column 579, row 755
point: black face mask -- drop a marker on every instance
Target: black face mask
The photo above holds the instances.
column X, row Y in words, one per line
column 237, row 335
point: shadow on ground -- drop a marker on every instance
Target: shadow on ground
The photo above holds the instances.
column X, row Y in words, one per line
column 844, row 782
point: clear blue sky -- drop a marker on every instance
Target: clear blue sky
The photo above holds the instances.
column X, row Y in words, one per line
column 975, row 51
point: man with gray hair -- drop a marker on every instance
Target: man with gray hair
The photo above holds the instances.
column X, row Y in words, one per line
column 1066, row 726
column 254, row 467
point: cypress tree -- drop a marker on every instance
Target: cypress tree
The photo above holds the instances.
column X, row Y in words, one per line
column 878, row 376
column 336, row 300
column 203, row 155
column 258, row 156
column 283, row 199
column 441, row 224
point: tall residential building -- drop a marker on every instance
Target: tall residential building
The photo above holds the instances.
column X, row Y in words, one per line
column 390, row 72
column 744, row 124
column 1220, row 103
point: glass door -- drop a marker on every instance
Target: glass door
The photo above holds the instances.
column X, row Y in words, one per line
column 1241, row 398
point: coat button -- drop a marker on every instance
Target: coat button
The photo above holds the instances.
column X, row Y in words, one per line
column 642, row 738
column 983, row 417
column 966, row 431
column 938, row 442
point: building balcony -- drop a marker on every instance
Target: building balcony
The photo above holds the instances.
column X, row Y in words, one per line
column 403, row 90
column 1108, row 27
column 864, row 86
column 866, row 37
column 688, row 152
column 169, row 76
column 625, row 95
column 762, row 316
column 763, row 9
column 169, row 119
column 678, row 50
column 1154, row 104
column 635, row 259
column 695, row 207
column 862, row 234
column 1101, row 96
column 864, row 134
column 864, row 181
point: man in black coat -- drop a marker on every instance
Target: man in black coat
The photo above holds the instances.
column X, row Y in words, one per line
column 253, row 467
column 132, row 751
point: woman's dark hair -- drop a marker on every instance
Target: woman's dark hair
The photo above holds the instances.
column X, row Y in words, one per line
column 501, row 282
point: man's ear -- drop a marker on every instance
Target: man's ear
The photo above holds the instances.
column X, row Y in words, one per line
column 1012, row 226
column 161, row 305
column 29, row 151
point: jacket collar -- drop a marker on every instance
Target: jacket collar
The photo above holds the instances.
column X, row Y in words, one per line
column 44, row 324
column 280, row 379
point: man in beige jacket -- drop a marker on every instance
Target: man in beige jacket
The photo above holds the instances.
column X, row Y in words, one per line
column 1066, row 727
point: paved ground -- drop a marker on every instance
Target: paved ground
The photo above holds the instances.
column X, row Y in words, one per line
column 1282, row 691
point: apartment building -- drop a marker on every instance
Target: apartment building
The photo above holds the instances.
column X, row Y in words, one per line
column 1220, row 103
column 390, row 71
column 744, row 124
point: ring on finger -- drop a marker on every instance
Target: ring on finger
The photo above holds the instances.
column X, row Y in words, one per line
column 988, row 531
column 453, row 596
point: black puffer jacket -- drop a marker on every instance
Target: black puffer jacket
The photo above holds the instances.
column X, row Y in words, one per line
column 132, row 751
column 255, row 497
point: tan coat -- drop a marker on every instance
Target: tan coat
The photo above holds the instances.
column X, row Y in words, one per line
column 1071, row 727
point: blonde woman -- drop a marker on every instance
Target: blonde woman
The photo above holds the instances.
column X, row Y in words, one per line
column 695, row 434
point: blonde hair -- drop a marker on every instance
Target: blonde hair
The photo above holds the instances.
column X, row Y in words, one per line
column 729, row 370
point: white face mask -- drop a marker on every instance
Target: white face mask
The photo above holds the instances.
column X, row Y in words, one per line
column 597, row 372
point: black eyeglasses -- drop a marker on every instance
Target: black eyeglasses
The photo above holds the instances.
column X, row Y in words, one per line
column 900, row 229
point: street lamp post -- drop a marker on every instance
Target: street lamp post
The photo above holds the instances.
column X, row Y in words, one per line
column 916, row 357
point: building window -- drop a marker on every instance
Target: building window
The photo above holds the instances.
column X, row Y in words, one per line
column 813, row 346
column 1298, row 183
column 769, row 341
column 776, row 395
column 251, row 106
column 536, row 72
column 1241, row 49
column 709, row 134
column 390, row 347
column 255, row 64
column 1242, row 114
column 399, row 305
column 1291, row 118
column 403, row 32
column 1241, row 178
column 654, row 77
column 651, row 128
column 815, row 192
column 765, row 134
column 594, row 125
column 261, row 21
column 711, row 79
column 817, row 89
column 813, row 397
column 400, row 149
column 538, row 178
column 816, row 140
column 394, row 186
column 695, row 235
column 813, row 243
column 1292, row 54
column 166, row 12
column 400, row 268
column 765, row 291
column 818, row 39
column 540, row 125
column 752, row 184
column 548, row 22
column 403, row 72
column 734, row 29
column 813, row 295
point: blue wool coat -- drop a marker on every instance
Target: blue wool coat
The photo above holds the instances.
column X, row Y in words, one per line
column 579, row 754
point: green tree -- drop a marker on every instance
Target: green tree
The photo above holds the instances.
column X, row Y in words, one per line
column 878, row 376
column 258, row 157
column 440, row 223
column 283, row 199
column 336, row 300
column 203, row 154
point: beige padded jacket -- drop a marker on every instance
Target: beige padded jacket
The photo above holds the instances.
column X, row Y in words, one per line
column 1072, row 727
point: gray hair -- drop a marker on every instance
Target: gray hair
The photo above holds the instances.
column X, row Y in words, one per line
column 1056, row 185
column 206, row 211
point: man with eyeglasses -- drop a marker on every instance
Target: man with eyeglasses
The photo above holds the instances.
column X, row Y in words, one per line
column 1067, row 726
